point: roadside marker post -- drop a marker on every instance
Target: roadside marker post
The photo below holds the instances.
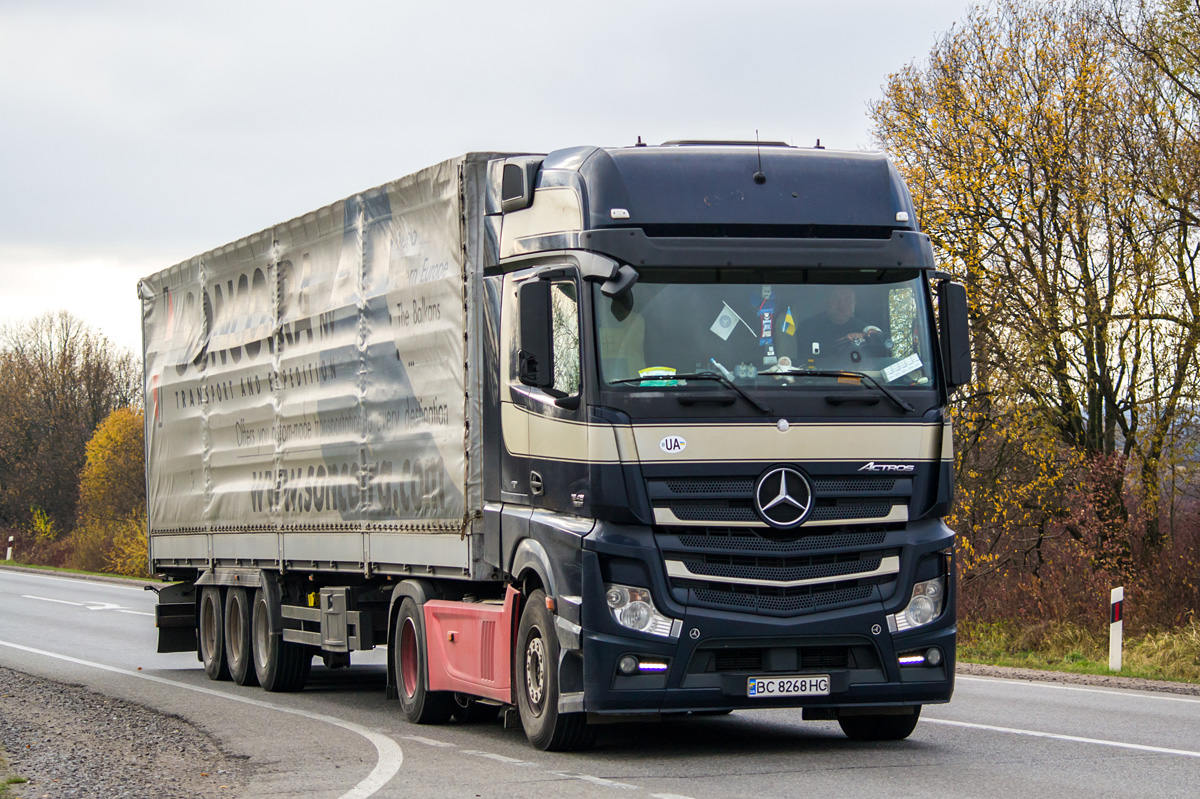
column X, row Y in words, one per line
column 1116, row 613
column 9, row 555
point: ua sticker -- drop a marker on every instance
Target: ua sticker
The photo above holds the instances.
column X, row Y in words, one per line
column 672, row 444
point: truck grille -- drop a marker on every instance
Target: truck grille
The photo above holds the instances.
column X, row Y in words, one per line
column 745, row 485
column 781, row 601
column 718, row 553
column 782, row 569
column 736, row 569
column 730, row 500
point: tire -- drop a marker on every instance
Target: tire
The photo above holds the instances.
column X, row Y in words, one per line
column 420, row 705
column 238, row 636
column 212, row 633
column 881, row 727
column 537, row 656
column 471, row 710
column 281, row 666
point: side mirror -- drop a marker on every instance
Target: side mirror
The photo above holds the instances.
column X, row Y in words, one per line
column 536, row 352
column 955, row 333
column 517, row 180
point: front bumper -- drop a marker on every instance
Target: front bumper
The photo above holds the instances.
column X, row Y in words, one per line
column 719, row 650
column 711, row 671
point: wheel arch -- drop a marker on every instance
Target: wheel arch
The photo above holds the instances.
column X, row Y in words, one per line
column 420, row 592
column 531, row 568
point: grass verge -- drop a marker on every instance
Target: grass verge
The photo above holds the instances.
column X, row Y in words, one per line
column 1063, row 646
column 63, row 570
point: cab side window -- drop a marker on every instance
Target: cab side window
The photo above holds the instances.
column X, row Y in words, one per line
column 564, row 303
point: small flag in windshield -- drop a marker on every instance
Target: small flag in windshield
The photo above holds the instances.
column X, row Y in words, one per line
column 726, row 322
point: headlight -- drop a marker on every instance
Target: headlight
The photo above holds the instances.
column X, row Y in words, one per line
column 924, row 606
column 633, row 608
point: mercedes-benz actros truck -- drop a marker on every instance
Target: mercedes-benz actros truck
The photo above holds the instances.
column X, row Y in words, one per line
column 603, row 434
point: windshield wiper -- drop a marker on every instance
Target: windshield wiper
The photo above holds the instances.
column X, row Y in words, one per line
column 887, row 392
column 714, row 376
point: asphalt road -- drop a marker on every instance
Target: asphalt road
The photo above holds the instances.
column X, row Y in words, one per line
column 339, row 738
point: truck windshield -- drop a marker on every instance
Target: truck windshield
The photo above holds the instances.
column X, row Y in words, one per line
column 767, row 334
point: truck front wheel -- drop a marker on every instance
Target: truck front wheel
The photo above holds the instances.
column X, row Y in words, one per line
column 420, row 705
column 880, row 727
column 280, row 665
column 537, row 655
column 212, row 633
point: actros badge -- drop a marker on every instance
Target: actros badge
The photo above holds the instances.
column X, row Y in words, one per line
column 888, row 467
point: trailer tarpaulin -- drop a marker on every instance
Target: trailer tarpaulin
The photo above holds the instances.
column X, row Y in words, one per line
column 313, row 376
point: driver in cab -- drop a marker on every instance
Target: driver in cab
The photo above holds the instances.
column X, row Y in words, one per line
column 837, row 331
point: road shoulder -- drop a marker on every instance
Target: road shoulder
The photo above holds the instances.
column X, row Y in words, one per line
column 1094, row 680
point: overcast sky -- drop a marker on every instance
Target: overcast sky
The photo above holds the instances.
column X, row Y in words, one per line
column 134, row 135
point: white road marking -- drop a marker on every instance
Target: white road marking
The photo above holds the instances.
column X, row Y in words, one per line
column 1058, row 737
column 48, row 599
column 390, row 755
column 427, row 741
column 88, row 605
column 596, row 780
column 1125, row 692
column 668, row 796
column 101, row 605
column 512, row 761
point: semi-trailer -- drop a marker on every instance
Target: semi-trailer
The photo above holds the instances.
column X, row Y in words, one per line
column 602, row 434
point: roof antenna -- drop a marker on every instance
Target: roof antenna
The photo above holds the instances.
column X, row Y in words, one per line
column 640, row 142
column 759, row 177
column 818, row 147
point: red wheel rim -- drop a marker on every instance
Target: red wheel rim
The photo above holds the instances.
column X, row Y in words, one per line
column 408, row 657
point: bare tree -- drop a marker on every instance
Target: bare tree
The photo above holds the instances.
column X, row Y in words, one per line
column 58, row 380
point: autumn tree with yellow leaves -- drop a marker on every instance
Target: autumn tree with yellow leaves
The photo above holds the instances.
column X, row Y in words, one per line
column 1051, row 150
column 110, row 535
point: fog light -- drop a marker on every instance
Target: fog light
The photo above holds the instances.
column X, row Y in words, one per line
column 628, row 664
column 934, row 656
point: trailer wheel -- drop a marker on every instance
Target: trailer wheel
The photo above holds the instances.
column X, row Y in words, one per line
column 238, row 634
column 212, row 634
column 880, row 727
column 281, row 666
column 472, row 710
column 420, row 705
column 537, row 656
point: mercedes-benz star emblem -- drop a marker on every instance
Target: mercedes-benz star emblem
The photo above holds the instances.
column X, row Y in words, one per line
column 783, row 497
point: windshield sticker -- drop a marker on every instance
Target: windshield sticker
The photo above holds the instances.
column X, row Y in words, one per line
column 657, row 371
column 672, row 444
column 900, row 368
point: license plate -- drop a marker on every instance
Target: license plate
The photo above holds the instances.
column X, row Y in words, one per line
column 798, row 685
